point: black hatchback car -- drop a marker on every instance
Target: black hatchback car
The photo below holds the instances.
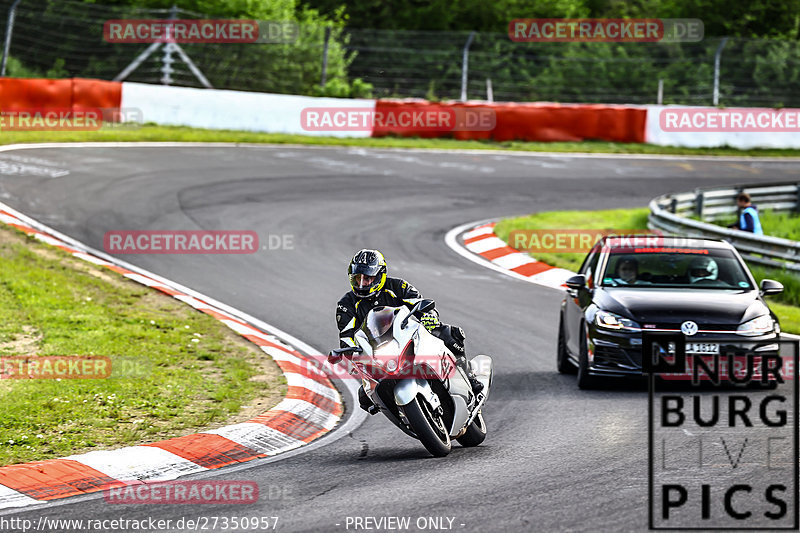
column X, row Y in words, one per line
column 631, row 284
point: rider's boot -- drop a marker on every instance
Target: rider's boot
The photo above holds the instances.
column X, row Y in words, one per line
column 476, row 385
column 365, row 403
column 457, row 346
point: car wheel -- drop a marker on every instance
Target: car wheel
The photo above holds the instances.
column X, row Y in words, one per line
column 563, row 363
column 585, row 381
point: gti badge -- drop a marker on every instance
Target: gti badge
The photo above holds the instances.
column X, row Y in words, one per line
column 689, row 328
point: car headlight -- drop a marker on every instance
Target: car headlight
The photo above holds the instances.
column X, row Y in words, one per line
column 606, row 320
column 758, row 326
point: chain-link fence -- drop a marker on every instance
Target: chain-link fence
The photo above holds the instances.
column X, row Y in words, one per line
column 65, row 38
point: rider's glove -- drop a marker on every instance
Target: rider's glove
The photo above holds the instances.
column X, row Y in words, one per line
column 430, row 321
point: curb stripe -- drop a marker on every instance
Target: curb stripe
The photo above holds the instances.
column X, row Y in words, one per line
column 209, row 451
column 311, row 408
column 138, row 463
column 290, row 424
column 308, row 411
column 326, row 404
column 479, row 237
column 55, row 478
column 530, row 269
column 497, row 253
column 492, row 242
column 480, row 244
column 258, row 437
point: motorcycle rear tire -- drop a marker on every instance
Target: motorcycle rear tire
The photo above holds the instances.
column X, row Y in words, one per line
column 476, row 433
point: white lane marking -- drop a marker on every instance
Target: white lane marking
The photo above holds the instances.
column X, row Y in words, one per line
column 48, row 239
column 138, row 463
column 91, row 259
column 145, row 280
column 6, row 219
column 566, row 156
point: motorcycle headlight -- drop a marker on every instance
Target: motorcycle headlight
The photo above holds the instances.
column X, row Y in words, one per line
column 760, row 325
column 606, row 320
column 387, row 356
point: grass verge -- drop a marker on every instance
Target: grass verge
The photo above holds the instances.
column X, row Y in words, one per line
column 785, row 305
column 151, row 133
column 174, row 370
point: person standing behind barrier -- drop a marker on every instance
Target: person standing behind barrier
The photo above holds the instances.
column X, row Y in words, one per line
column 748, row 215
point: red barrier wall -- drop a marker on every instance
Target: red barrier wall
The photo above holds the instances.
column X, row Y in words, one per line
column 96, row 93
column 75, row 93
column 527, row 122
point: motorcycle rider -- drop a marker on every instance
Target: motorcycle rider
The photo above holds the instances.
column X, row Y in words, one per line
column 370, row 287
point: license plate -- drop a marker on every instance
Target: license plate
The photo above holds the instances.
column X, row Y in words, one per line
column 702, row 347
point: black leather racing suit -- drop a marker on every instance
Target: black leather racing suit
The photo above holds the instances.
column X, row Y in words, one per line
column 351, row 311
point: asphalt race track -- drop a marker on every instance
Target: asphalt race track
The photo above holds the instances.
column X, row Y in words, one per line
column 556, row 458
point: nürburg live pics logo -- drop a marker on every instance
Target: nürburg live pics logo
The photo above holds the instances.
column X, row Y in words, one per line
column 723, row 433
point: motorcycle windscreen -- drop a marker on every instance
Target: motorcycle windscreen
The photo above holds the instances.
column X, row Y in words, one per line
column 378, row 325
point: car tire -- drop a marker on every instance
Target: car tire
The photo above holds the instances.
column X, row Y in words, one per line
column 563, row 363
column 585, row 381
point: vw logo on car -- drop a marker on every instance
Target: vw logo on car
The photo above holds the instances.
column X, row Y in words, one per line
column 689, row 328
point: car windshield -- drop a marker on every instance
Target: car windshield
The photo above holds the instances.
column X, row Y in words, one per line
column 692, row 268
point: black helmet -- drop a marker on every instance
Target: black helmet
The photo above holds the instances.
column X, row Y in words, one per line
column 367, row 273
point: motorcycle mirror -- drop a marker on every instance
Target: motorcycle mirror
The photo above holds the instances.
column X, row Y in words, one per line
column 346, row 351
column 421, row 307
column 424, row 306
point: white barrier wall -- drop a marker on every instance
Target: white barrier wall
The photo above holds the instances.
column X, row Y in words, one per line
column 656, row 134
column 232, row 110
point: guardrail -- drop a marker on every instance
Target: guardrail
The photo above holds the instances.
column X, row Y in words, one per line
column 668, row 214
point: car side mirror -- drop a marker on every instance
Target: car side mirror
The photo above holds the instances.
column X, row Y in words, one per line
column 770, row 286
column 576, row 283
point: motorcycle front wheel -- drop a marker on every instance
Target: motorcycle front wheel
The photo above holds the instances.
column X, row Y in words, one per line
column 428, row 426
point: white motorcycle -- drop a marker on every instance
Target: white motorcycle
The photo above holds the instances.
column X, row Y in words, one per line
column 414, row 380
